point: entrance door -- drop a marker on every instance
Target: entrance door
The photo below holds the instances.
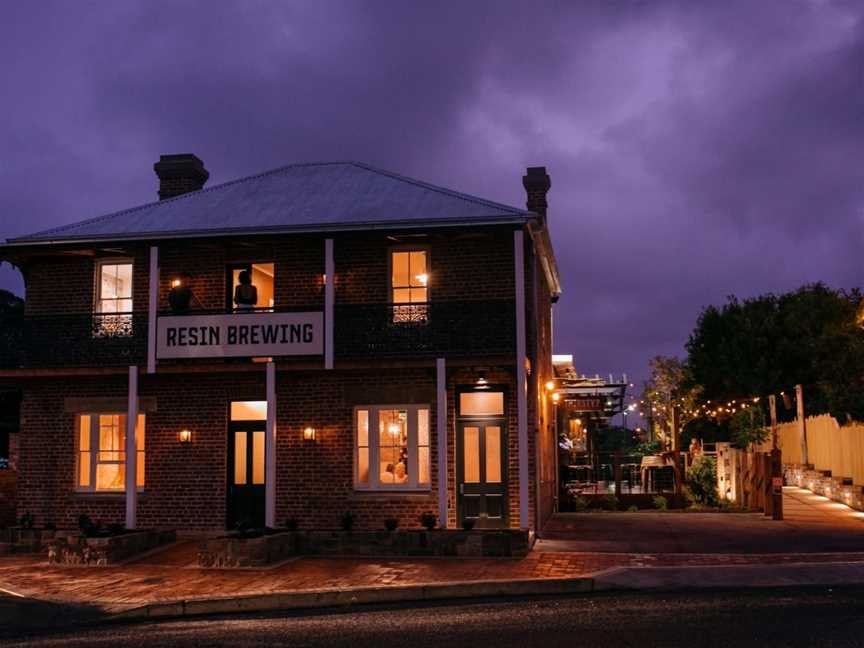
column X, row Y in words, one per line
column 246, row 474
column 481, row 472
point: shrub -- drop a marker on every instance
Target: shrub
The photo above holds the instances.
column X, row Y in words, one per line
column 468, row 523
column 580, row 504
column 291, row 524
column 391, row 524
column 609, row 503
column 633, row 509
column 346, row 522
column 87, row 526
column 661, row 503
column 428, row 520
column 702, row 480
column 115, row 528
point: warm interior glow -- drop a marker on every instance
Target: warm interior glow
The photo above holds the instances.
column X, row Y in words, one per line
column 481, row 403
column 249, row 410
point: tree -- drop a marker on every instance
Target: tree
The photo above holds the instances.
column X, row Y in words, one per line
column 770, row 343
column 669, row 385
column 11, row 326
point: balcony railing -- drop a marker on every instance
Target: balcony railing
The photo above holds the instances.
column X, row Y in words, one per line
column 427, row 329
column 73, row 340
column 360, row 331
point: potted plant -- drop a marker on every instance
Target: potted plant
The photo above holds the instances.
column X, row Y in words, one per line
column 347, row 521
column 391, row 524
column 428, row 520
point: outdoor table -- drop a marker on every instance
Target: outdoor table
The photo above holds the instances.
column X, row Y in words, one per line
column 650, row 463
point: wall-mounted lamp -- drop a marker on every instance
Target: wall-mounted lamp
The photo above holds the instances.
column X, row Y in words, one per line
column 176, row 283
column 309, row 434
column 556, row 397
column 185, row 436
column 550, row 385
column 481, row 382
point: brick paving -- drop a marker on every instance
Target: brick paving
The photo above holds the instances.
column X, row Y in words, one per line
column 171, row 574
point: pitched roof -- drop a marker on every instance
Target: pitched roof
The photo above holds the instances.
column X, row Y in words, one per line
column 299, row 197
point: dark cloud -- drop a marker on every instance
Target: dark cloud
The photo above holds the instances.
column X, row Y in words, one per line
column 696, row 149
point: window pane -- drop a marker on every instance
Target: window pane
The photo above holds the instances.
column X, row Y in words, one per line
column 123, row 274
column 402, row 296
column 249, row 411
column 418, row 268
column 108, row 282
column 362, row 428
column 363, row 465
column 240, row 458
column 481, row 403
column 139, row 432
column 423, row 427
column 258, row 457
column 401, row 275
column 471, row 460
column 110, row 476
column 423, row 465
column 83, row 468
column 84, row 432
column 418, row 295
column 393, row 446
column 139, row 470
column 493, row 454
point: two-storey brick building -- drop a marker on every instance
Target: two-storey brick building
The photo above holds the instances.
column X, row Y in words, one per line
column 316, row 339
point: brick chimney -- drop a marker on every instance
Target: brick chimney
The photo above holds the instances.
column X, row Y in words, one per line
column 180, row 174
column 537, row 183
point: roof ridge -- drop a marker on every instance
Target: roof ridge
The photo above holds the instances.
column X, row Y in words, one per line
column 129, row 210
column 438, row 188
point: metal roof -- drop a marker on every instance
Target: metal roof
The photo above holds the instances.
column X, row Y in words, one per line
column 299, row 197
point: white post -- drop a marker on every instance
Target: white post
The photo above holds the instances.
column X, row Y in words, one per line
column 151, row 309
column 270, row 449
column 521, row 378
column 131, row 449
column 329, row 300
column 441, row 430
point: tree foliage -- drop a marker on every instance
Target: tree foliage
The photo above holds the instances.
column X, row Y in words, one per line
column 11, row 312
column 670, row 384
column 768, row 344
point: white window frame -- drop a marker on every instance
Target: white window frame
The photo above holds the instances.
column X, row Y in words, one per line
column 374, row 484
column 410, row 311
column 104, row 325
column 94, row 452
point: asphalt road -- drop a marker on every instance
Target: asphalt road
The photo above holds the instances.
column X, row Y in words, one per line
column 753, row 618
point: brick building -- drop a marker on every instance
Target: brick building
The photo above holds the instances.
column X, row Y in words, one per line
column 316, row 339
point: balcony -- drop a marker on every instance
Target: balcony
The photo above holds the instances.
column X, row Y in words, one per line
column 74, row 340
column 361, row 331
column 428, row 329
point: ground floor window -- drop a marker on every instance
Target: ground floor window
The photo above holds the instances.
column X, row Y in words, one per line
column 391, row 447
column 101, row 450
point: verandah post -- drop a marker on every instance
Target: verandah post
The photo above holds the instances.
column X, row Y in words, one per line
column 270, row 449
column 131, row 449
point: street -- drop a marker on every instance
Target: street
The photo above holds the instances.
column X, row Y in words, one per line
column 752, row 618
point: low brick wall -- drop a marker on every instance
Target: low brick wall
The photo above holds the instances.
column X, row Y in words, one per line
column 230, row 551
column 76, row 549
column 15, row 540
column 8, row 496
column 822, row 482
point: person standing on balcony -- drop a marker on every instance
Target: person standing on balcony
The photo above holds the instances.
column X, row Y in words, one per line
column 245, row 294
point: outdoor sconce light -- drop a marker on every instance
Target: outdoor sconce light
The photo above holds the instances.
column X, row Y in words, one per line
column 550, row 385
column 185, row 436
column 481, row 383
column 309, row 434
column 176, row 283
column 556, row 397
column 180, row 295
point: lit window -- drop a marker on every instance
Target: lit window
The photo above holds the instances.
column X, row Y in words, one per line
column 409, row 285
column 101, row 465
column 252, row 286
column 392, row 447
column 113, row 316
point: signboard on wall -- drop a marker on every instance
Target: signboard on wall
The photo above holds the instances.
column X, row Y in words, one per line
column 240, row 335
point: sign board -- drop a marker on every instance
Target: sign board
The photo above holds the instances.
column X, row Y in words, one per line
column 584, row 404
column 240, row 335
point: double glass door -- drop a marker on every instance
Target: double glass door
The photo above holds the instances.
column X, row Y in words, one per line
column 246, row 474
column 481, row 472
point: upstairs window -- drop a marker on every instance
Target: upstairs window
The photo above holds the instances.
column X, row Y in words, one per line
column 101, row 465
column 409, row 285
column 251, row 286
column 113, row 299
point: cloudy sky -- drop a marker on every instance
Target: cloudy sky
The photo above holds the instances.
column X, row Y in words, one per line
column 697, row 148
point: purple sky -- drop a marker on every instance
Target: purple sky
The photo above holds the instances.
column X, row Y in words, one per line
column 697, row 149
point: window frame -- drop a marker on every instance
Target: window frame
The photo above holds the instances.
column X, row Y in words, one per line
column 408, row 247
column 374, row 484
column 94, row 450
column 230, row 306
column 97, row 280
